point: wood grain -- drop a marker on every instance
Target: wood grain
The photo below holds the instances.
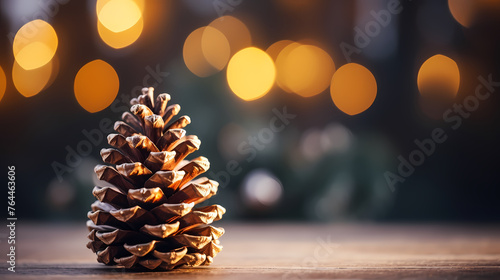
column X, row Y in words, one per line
column 283, row 251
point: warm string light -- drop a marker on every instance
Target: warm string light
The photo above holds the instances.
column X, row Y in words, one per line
column 207, row 49
column 251, row 73
column 34, row 47
column 3, row 83
column 281, row 60
column 439, row 76
column 353, row 88
column 120, row 22
column 296, row 67
column 35, row 44
column 308, row 70
column 236, row 32
column 31, row 82
column 96, row 85
column 121, row 39
column 305, row 69
column 466, row 12
column 275, row 49
column 118, row 15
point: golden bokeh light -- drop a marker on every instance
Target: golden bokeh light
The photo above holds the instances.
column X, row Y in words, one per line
column 3, row 83
column 463, row 11
column 251, row 73
column 35, row 44
column 439, row 75
column 466, row 12
column 101, row 3
column 121, row 39
column 96, row 85
column 353, row 88
column 118, row 15
column 31, row 82
column 193, row 55
column 274, row 50
column 281, row 64
column 236, row 32
column 306, row 70
column 54, row 71
column 215, row 47
column 206, row 51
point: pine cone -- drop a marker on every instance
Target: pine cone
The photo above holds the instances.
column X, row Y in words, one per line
column 144, row 215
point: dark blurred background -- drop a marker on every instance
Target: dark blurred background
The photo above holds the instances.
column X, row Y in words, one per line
column 325, row 165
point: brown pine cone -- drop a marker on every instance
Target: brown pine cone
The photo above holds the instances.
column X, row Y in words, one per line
column 144, row 214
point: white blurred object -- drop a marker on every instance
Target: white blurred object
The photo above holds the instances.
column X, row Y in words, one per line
column 85, row 171
column 310, row 144
column 60, row 194
column 315, row 143
column 20, row 12
column 261, row 189
column 336, row 138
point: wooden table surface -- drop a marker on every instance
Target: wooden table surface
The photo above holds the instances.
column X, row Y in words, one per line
column 282, row 251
